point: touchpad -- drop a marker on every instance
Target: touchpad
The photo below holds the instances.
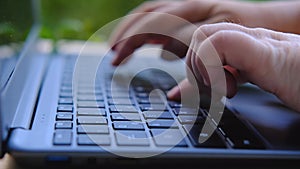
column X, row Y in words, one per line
column 277, row 123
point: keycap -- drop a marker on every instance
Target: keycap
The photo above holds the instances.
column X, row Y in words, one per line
column 142, row 95
column 82, row 86
column 119, row 95
column 64, row 116
column 198, row 137
column 174, row 104
column 62, row 137
column 157, row 115
column 66, row 84
column 64, row 108
column 89, row 98
column 91, row 112
column 191, row 119
column 153, row 101
column 120, row 101
column 125, row 117
column 92, row 129
column 162, row 124
column 153, row 107
column 143, row 88
column 122, row 108
column 94, row 139
column 65, row 101
column 131, row 138
column 65, row 95
column 117, row 90
column 90, row 91
column 63, row 125
column 66, row 89
column 168, row 137
column 91, row 120
column 185, row 111
column 90, row 104
column 128, row 125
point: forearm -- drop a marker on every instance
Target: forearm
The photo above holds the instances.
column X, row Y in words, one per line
column 281, row 16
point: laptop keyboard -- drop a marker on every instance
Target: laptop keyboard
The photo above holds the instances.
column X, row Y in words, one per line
column 89, row 114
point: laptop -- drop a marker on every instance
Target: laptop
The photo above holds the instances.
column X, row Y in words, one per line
column 59, row 108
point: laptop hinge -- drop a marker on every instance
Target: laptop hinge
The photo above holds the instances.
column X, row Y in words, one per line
column 26, row 108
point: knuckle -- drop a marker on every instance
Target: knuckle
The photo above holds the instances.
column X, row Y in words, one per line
column 204, row 29
column 201, row 33
column 220, row 37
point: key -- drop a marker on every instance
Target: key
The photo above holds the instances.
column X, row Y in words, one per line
column 65, row 108
column 90, row 104
column 94, row 139
column 120, row 101
column 168, row 137
column 89, row 98
column 147, row 101
column 191, row 119
column 125, row 117
column 65, row 95
column 153, row 107
column 92, row 129
column 157, row 115
column 91, row 120
column 66, row 89
column 185, row 111
column 91, row 112
column 142, row 95
column 143, row 89
column 89, row 92
column 62, row 137
column 175, row 104
column 88, row 87
column 65, row 101
column 128, row 125
column 119, row 95
column 63, row 125
column 132, row 138
column 64, row 116
column 162, row 124
column 121, row 108
column 195, row 134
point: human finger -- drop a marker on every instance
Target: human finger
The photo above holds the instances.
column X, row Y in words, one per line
column 129, row 20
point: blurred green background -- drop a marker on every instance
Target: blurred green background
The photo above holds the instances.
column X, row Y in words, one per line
column 79, row 19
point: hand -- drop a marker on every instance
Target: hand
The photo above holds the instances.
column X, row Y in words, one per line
column 175, row 35
column 263, row 57
column 172, row 23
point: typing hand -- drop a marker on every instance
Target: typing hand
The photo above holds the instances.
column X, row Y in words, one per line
column 172, row 24
column 263, row 57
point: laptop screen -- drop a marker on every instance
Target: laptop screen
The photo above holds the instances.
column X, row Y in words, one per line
column 16, row 19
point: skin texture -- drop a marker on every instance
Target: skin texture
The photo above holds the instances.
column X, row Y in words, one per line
column 258, row 49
